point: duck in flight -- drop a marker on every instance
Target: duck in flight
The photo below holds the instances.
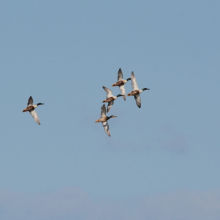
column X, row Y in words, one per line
column 31, row 108
column 136, row 91
column 121, row 82
column 110, row 98
column 104, row 120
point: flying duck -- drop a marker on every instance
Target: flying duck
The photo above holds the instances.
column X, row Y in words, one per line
column 136, row 92
column 121, row 83
column 104, row 120
column 109, row 97
column 31, row 108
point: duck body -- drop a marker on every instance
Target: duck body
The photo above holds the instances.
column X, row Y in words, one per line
column 110, row 99
column 31, row 108
column 121, row 82
column 104, row 120
column 135, row 92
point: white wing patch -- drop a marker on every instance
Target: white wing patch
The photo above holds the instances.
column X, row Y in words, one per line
column 106, row 128
column 138, row 100
column 108, row 91
column 123, row 92
column 35, row 116
column 134, row 82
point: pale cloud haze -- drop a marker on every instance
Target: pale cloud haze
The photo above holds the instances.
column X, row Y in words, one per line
column 74, row 203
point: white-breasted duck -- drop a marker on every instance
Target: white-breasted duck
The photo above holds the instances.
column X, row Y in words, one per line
column 136, row 91
column 31, row 108
column 121, row 82
column 109, row 97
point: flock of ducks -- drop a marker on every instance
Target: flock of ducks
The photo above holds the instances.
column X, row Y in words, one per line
column 109, row 99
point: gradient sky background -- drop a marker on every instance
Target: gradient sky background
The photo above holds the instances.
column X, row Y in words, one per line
column 161, row 162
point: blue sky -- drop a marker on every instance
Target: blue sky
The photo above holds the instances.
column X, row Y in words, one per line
column 161, row 161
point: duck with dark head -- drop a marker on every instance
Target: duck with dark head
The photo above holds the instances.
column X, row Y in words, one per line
column 31, row 108
column 110, row 98
column 136, row 91
column 121, row 82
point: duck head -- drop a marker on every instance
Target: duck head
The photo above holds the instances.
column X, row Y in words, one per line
column 119, row 95
column 112, row 116
column 40, row 104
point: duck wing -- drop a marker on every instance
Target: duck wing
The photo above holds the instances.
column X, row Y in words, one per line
column 30, row 101
column 108, row 92
column 138, row 100
column 106, row 128
column 122, row 89
column 134, row 82
column 120, row 75
column 110, row 104
column 35, row 116
column 103, row 111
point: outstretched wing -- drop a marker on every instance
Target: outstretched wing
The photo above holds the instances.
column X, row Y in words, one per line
column 35, row 116
column 122, row 89
column 103, row 111
column 30, row 101
column 134, row 82
column 108, row 92
column 106, row 128
column 138, row 100
column 110, row 104
column 120, row 75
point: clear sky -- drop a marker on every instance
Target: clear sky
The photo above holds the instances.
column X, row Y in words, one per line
column 162, row 160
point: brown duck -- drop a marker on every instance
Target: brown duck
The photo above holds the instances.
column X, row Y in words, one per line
column 121, row 82
column 136, row 91
column 104, row 120
column 31, row 108
column 110, row 98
